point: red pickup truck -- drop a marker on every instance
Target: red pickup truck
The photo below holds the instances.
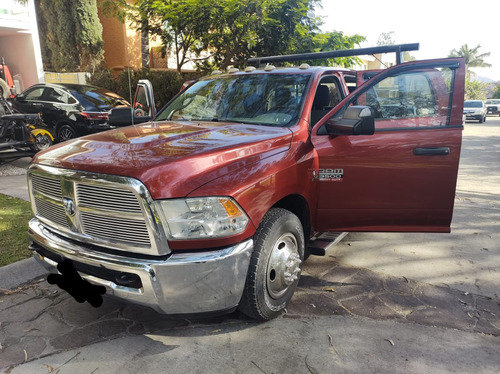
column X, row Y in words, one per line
column 215, row 202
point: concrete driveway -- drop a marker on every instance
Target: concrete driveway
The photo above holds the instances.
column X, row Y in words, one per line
column 399, row 303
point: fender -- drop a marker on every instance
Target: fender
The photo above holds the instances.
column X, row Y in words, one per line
column 37, row 132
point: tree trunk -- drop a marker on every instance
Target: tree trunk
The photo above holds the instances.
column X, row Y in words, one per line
column 145, row 45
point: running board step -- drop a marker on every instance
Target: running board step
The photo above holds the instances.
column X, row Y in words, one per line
column 319, row 244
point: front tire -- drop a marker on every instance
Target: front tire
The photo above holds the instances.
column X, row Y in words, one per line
column 65, row 132
column 275, row 265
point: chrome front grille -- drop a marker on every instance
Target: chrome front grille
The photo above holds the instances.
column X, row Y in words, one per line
column 135, row 231
column 104, row 197
column 110, row 211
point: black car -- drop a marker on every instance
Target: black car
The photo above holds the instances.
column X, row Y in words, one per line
column 71, row 110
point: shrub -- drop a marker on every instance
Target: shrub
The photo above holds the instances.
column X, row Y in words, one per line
column 166, row 83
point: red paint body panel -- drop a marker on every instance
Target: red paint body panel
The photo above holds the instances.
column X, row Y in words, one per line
column 171, row 159
column 389, row 188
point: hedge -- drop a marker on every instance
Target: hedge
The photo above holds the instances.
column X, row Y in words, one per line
column 166, row 83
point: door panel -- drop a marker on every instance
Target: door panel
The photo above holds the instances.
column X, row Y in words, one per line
column 403, row 177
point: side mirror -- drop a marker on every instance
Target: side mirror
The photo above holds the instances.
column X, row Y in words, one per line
column 124, row 116
column 357, row 120
column 20, row 97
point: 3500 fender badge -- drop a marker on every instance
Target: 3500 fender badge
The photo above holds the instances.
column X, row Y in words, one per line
column 331, row 175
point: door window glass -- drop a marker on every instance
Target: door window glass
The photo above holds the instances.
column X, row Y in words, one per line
column 58, row 96
column 327, row 96
column 412, row 99
column 34, row 94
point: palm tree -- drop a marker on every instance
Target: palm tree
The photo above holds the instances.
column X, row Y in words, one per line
column 472, row 58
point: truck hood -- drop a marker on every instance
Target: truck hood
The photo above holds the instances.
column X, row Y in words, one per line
column 171, row 158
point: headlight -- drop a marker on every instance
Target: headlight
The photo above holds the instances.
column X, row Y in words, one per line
column 203, row 217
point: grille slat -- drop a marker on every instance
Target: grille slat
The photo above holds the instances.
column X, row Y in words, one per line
column 47, row 186
column 52, row 212
column 115, row 228
column 107, row 198
column 109, row 213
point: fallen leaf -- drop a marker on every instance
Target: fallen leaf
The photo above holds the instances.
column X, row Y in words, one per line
column 484, row 249
column 329, row 289
column 51, row 369
column 390, row 341
column 406, row 279
column 25, row 355
column 314, row 306
column 463, row 302
column 215, row 331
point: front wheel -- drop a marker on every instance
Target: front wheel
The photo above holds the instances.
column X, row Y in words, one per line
column 41, row 142
column 275, row 265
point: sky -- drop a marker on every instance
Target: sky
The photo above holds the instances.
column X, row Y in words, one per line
column 438, row 25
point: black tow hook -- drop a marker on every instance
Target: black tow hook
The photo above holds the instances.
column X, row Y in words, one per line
column 70, row 281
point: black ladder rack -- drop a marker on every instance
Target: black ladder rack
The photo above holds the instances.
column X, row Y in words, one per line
column 398, row 49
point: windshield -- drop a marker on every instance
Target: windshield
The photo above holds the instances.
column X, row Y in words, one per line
column 492, row 102
column 265, row 99
column 473, row 104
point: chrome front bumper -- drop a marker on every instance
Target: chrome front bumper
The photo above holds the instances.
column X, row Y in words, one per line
column 183, row 283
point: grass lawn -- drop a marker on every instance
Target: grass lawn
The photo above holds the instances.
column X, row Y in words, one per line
column 14, row 216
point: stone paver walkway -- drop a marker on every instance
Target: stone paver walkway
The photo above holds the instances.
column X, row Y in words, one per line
column 38, row 319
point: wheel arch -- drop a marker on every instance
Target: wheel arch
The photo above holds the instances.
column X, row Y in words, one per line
column 299, row 206
column 61, row 123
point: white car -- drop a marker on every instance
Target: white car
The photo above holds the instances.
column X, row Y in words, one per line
column 493, row 106
column 475, row 109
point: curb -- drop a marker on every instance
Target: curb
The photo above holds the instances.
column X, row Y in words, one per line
column 14, row 275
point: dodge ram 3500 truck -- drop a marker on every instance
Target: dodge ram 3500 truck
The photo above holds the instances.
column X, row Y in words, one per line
column 214, row 203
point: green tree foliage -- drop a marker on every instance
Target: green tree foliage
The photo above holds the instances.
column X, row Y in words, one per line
column 473, row 59
column 166, row 83
column 217, row 34
column 70, row 35
column 496, row 92
column 475, row 90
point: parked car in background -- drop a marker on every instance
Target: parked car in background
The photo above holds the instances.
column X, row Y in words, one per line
column 71, row 110
column 493, row 107
column 475, row 109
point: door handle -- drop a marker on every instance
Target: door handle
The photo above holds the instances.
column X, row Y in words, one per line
column 432, row 151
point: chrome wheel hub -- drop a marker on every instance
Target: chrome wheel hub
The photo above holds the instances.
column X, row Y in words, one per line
column 283, row 268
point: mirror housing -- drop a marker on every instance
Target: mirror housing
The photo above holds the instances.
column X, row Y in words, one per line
column 357, row 120
column 20, row 97
column 123, row 116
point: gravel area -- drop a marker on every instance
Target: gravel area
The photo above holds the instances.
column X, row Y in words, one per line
column 7, row 169
column 16, row 167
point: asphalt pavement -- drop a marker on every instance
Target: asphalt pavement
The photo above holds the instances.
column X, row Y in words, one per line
column 399, row 303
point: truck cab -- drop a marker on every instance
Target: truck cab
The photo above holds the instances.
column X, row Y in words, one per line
column 215, row 202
